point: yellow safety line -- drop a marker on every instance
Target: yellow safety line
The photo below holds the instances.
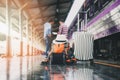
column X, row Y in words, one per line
column 107, row 64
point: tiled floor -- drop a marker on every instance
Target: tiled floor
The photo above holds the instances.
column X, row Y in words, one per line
column 29, row 68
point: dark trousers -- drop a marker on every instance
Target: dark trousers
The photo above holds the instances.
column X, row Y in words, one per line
column 48, row 45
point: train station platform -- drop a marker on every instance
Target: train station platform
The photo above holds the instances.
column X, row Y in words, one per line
column 29, row 68
column 92, row 30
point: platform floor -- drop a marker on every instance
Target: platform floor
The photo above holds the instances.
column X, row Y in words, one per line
column 29, row 68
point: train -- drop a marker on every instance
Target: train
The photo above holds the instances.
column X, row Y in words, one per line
column 103, row 21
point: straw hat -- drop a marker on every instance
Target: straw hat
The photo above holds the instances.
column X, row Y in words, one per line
column 60, row 39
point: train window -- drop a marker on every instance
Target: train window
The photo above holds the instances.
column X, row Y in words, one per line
column 88, row 3
column 2, row 37
column 91, row 12
column 96, row 8
column 81, row 15
column 118, row 43
column 75, row 27
column 88, row 17
column 105, row 2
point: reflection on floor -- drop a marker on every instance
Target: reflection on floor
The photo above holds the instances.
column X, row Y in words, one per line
column 29, row 68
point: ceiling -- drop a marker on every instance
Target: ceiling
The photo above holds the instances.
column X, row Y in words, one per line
column 42, row 10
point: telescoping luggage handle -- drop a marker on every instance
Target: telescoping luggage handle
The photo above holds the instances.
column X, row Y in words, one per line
column 85, row 23
column 78, row 28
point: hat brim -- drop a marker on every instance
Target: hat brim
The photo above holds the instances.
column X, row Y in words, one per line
column 58, row 42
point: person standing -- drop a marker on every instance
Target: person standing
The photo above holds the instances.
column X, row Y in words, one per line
column 47, row 35
column 63, row 29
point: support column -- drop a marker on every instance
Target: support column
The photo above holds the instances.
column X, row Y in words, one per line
column 32, row 39
column 35, row 41
column 21, row 27
column 27, row 36
column 8, row 49
column 21, row 32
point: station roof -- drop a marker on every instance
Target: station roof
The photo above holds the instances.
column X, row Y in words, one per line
column 39, row 11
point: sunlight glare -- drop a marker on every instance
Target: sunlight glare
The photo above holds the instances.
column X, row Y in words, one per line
column 4, row 28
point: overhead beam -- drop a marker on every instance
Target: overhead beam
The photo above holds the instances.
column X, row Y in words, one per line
column 41, row 17
column 40, row 5
column 1, row 2
column 15, row 3
column 38, row 24
column 3, row 5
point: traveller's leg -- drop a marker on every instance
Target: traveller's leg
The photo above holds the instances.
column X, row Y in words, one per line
column 47, row 48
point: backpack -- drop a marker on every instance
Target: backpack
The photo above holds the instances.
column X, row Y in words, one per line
column 58, row 48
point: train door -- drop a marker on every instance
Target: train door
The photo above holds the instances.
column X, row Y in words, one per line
column 108, row 48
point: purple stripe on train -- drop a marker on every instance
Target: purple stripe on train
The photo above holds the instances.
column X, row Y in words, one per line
column 107, row 32
column 104, row 12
